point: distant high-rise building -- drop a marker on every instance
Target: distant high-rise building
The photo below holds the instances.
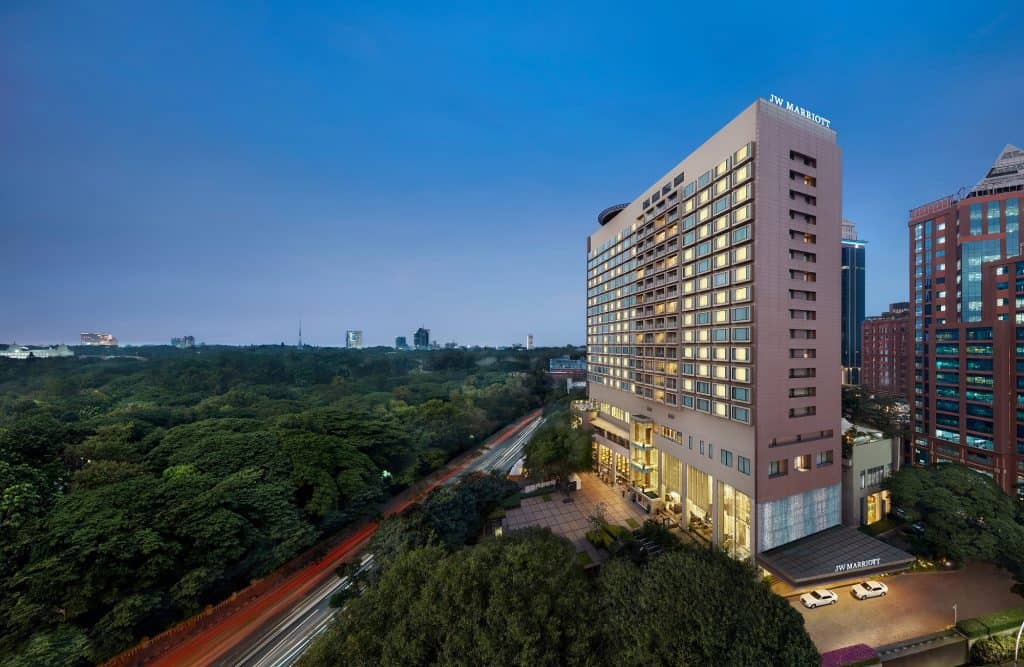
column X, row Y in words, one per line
column 354, row 339
column 853, row 303
column 184, row 342
column 965, row 271
column 529, row 341
column 400, row 343
column 104, row 339
column 421, row 339
column 885, row 339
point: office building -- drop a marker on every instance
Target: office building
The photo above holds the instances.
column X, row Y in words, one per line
column 104, row 339
column 354, row 339
column 421, row 339
column 852, row 287
column 967, row 294
column 184, row 342
column 562, row 368
column 529, row 341
column 884, row 340
column 713, row 317
column 400, row 343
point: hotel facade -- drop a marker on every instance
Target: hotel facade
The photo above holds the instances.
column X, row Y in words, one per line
column 967, row 299
column 713, row 310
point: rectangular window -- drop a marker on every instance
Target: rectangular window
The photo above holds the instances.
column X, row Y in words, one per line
column 823, row 458
column 992, row 219
column 975, row 219
column 778, row 468
column 726, row 457
column 743, row 465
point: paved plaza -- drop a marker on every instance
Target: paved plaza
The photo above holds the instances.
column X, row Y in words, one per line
column 572, row 520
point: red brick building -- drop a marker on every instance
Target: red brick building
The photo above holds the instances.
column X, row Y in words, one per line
column 967, row 346
column 885, row 339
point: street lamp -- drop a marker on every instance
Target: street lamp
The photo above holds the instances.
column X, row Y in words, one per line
column 1016, row 646
column 954, row 615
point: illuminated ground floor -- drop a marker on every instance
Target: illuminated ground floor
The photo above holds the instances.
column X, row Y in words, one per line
column 675, row 493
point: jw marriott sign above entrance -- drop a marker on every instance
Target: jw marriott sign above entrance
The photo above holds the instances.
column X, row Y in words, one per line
column 810, row 115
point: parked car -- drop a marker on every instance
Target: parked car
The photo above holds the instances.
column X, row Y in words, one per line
column 917, row 528
column 818, row 598
column 869, row 589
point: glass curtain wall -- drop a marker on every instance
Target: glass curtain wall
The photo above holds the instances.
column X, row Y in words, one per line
column 734, row 535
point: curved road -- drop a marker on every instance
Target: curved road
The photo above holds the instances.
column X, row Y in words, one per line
column 277, row 627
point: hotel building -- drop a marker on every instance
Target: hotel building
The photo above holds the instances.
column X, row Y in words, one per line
column 713, row 346
column 967, row 298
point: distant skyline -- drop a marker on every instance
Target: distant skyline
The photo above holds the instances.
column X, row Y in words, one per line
column 225, row 171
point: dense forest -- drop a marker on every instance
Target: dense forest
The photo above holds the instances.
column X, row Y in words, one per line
column 135, row 491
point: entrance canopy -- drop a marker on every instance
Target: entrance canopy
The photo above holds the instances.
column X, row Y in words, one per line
column 837, row 553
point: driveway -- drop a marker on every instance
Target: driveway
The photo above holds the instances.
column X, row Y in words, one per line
column 917, row 604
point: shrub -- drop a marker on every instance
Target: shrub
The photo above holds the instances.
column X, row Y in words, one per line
column 993, row 650
column 982, row 626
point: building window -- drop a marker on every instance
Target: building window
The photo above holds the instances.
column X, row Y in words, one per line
column 823, row 458
column 802, row 462
column 802, row 412
column 975, row 219
column 726, row 457
column 778, row 468
column 743, row 465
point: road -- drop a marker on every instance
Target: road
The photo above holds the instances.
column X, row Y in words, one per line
column 282, row 640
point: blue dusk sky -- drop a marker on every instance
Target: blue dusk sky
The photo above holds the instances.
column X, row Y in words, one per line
column 227, row 169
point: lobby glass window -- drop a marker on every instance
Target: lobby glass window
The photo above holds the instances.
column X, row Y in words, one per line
column 975, row 215
column 992, row 218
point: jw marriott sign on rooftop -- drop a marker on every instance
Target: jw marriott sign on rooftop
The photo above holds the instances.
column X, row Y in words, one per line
column 806, row 113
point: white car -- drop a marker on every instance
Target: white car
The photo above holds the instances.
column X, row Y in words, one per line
column 818, row 598
column 869, row 589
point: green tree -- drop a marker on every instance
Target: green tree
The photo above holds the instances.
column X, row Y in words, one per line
column 557, row 449
column 965, row 514
column 518, row 600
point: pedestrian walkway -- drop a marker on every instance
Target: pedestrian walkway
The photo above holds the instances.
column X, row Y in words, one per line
column 572, row 520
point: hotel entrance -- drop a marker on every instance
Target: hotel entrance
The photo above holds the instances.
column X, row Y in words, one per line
column 875, row 507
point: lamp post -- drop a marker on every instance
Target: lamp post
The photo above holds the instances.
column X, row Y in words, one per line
column 954, row 615
column 1016, row 646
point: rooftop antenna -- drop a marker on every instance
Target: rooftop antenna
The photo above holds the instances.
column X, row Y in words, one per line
column 300, row 334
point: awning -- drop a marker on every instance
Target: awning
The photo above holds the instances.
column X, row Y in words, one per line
column 836, row 553
column 610, row 427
